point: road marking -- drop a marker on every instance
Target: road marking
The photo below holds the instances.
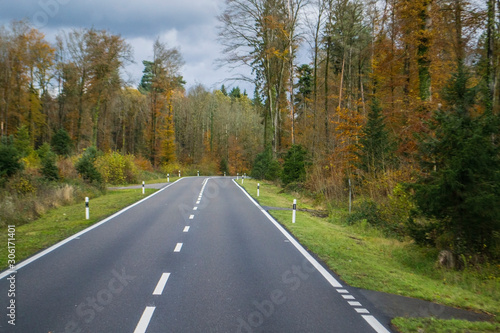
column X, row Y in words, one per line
column 342, row 291
column 161, row 284
column 195, row 208
column 361, row 310
column 178, row 247
column 191, row 217
column 75, row 236
column 198, row 202
column 377, row 326
column 352, row 303
column 333, row 282
column 143, row 324
column 186, row 229
column 374, row 323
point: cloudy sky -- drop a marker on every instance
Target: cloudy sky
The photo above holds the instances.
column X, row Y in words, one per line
column 190, row 25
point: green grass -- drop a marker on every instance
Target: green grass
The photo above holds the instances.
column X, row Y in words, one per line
column 363, row 257
column 273, row 196
column 60, row 223
column 432, row 325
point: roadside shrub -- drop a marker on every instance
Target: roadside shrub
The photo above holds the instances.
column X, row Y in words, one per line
column 171, row 168
column 365, row 210
column 28, row 199
column 21, row 184
column 143, row 163
column 396, row 211
column 32, row 162
column 67, row 169
column 208, row 166
column 116, row 168
column 265, row 166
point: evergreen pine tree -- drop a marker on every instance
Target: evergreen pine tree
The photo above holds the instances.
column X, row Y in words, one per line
column 9, row 158
column 85, row 166
column 22, row 141
column 49, row 169
column 294, row 167
column 61, row 143
column 375, row 147
column 461, row 186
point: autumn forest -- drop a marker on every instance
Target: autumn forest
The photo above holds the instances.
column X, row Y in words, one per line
column 396, row 102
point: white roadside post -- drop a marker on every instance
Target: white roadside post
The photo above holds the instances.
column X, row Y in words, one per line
column 198, row 173
column 242, row 179
column 87, row 212
column 143, row 187
column 294, row 210
column 224, row 174
column 168, row 178
column 237, row 176
column 258, row 189
column 179, row 173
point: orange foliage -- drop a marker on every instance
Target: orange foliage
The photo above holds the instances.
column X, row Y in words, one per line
column 347, row 131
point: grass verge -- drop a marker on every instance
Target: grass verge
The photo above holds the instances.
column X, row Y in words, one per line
column 363, row 257
column 433, row 325
column 60, row 223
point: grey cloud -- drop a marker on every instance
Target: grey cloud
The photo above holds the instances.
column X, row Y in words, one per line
column 127, row 18
column 139, row 22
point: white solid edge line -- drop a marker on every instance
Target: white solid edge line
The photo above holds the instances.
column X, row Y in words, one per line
column 143, row 324
column 377, row 326
column 161, row 284
column 374, row 323
column 69, row 239
column 178, row 247
column 297, row 245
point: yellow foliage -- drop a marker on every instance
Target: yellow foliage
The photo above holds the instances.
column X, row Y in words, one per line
column 116, row 168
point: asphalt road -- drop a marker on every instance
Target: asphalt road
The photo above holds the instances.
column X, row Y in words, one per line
column 197, row 256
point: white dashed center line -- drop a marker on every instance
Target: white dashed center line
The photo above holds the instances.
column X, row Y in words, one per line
column 145, row 319
column 178, row 247
column 186, row 229
column 161, row 284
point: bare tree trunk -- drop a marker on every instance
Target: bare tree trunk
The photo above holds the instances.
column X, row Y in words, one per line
column 341, row 82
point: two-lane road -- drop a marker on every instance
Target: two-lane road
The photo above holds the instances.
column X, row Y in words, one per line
column 197, row 256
